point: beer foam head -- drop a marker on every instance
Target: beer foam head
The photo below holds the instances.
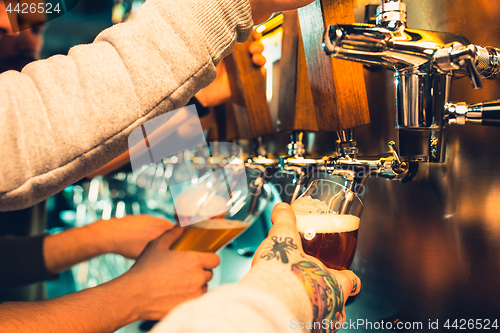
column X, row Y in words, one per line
column 326, row 223
column 188, row 203
column 220, row 224
column 308, row 205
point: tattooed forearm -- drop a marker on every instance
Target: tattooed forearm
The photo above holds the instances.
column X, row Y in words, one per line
column 324, row 292
column 279, row 249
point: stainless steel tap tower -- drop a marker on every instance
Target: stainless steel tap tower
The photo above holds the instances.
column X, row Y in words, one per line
column 429, row 249
column 425, row 62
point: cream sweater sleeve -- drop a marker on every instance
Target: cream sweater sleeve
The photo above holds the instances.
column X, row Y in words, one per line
column 269, row 299
column 66, row 116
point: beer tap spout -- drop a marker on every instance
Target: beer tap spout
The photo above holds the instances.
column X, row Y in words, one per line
column 356, row 171
column 266, row 167
column 302, row 168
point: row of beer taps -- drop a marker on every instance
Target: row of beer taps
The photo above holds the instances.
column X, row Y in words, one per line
column 424, row 63
column 344, row 163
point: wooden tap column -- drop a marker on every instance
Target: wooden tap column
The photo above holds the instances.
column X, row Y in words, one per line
column 248, row 94
column 296, row 107
column 337, row 86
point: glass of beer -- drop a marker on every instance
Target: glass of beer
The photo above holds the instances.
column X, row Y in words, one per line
column 219, row 229
column 328, row 217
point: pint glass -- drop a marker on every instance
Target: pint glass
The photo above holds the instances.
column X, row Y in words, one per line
column 213, row 233
column 328, row 221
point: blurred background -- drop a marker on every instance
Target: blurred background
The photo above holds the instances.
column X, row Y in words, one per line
column 79, row 26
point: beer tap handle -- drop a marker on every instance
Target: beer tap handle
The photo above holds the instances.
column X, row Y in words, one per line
column 460, row 55
column 403, row 171
column 474, row 76
column 296, row 147
column 394, row 152
column 487, row 113
column 255, row 191
column 455, row 56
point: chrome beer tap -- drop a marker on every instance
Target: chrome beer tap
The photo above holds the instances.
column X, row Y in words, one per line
column 424, row 63
column 347, row 164
column 356, row 170
column 266, row 168
column 301, row 167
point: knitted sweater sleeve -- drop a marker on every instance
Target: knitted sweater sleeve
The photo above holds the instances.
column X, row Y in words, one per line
column 66, row 116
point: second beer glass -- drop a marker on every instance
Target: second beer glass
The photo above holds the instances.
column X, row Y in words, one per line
column 328, row 217
column 216, row 231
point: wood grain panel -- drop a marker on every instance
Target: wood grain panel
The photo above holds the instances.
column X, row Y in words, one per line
column 296, row 108
column 337, row 86
column 248, row 90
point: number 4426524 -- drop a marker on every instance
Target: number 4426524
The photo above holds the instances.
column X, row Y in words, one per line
column 26, row 8
column 478, row 324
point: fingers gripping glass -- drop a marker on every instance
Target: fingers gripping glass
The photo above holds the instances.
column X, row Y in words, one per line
column 328, row 216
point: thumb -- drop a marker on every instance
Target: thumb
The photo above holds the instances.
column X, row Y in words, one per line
column 284, row 227
column 170, row 236
column 284, row 221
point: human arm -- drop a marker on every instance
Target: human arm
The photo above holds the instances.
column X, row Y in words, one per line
column 219, row 91
column 160, row 280
column 22, row 262
column 27, row 260
column 66, row 116
column 77, row 312
column 214, row 94
column 280, row 291
column 127, row 236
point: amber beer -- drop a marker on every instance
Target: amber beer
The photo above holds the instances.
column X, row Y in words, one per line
column 185, row 220
column 209, row 235
column 331, row 238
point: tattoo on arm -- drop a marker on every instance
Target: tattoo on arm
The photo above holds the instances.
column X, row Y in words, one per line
column 279, row 249
column 354, row 286
column 326, row 296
